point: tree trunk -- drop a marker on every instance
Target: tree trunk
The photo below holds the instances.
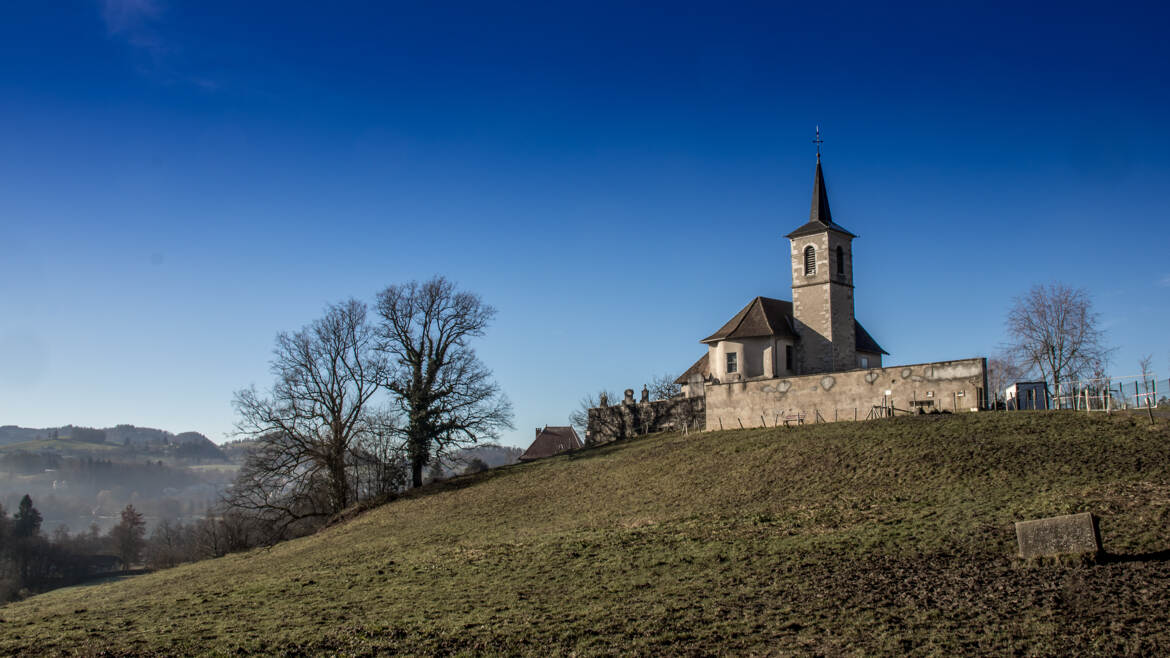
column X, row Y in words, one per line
column 420, row 451
column 339, row 482
column 416, row 468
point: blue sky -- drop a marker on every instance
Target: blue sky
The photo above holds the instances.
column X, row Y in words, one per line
column 183, row 180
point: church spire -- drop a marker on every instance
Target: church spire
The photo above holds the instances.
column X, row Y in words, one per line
column 820, row 198
column 819, row 217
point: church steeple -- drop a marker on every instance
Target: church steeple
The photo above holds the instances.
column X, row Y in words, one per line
column 822, row 286
column 819, row 217
column 820, row 199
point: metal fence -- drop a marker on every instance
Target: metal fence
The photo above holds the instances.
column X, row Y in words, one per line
column 1112, row 393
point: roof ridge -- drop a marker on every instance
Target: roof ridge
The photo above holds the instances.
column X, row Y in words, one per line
column 748, row 311
column 767, row 320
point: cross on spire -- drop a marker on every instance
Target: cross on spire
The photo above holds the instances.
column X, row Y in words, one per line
column 818, row 141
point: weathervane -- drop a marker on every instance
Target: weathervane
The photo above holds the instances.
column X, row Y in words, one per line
column 818, row 141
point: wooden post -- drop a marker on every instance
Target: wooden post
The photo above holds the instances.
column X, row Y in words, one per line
column 762, row 421
column 1149, row 408
column 740, row 423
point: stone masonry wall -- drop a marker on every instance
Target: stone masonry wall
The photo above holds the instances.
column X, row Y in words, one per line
column 841, row 300
column 822, row 304
column 810, row 305
column 943, row 386
column 625, row 420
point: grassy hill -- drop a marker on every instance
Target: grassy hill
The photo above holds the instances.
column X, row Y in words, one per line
column 64, row 446
column 879, row 537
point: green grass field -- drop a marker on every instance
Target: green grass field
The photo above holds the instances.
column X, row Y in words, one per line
column 886, row 537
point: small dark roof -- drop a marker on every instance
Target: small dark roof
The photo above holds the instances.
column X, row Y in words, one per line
column 762, row 316
column 551, row 441
column 865, row 342
column 820, row 219
column 702, row 367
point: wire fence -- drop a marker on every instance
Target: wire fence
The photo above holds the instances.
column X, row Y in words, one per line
column 1113, row 393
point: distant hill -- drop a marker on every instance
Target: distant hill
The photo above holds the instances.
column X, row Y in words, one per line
column 489, row 453
column 147, row 441
column 883, row 537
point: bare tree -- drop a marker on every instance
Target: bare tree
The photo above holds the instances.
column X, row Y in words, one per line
column 306, row 428
column 1054, row 329
column 579, row 418
column 446, row 395
column 1001, row 373
column 1146, row 364
column 378, row 464
column 663, row 387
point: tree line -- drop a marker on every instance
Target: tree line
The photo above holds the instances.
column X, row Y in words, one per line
column 32, row 561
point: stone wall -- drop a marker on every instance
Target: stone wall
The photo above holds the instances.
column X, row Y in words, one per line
column 942, row 386
column 629, row 419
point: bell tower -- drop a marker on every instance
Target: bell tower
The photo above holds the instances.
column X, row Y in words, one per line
column 822, row 287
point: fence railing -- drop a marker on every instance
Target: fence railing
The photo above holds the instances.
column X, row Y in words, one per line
column 1111, row 393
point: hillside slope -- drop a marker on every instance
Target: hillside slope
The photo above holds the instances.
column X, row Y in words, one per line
column 879, row 537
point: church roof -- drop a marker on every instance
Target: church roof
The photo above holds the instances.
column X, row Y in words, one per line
column 819, row 217
column 702, row 368
column 865, row 342
column 764, row 316
column 551, row 441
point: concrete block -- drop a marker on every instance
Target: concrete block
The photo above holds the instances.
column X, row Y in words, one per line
column 1059, row 535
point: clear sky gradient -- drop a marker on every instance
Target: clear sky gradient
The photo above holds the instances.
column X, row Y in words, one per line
column 182, row 180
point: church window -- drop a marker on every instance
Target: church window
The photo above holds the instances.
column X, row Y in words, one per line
column 732, row 363
column 788, row 357
column 840, row 261
column 810, row 260
column 864, row 362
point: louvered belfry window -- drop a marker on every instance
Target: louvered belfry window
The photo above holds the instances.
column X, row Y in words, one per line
column 810, row 260
column 840, row 261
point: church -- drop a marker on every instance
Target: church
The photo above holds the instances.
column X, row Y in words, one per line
column 779, row 361
column 816, row 332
